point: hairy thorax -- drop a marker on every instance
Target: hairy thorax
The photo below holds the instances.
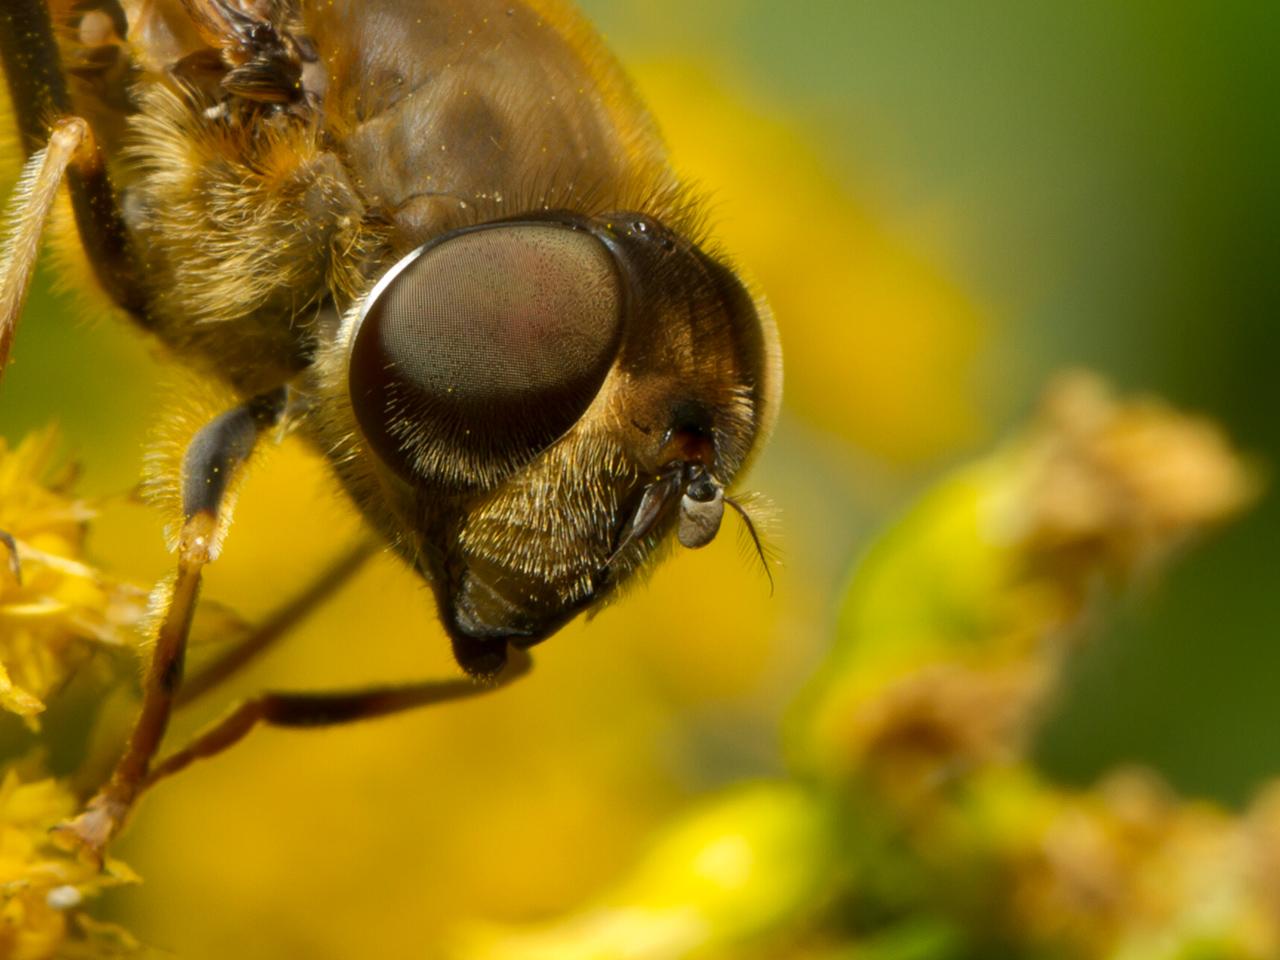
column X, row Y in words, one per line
column 254, row 222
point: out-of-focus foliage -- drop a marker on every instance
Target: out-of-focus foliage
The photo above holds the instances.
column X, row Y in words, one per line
column 913, row 827
column 955, row 627
column 759, row 860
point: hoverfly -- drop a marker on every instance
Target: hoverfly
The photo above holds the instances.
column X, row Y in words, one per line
column 441, row 240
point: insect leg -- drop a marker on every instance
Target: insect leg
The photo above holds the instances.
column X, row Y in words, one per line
column 25, row 220
column 309, row 710
column 212, row 461
column 33, row 67
column 279, row 623
column 39, row 93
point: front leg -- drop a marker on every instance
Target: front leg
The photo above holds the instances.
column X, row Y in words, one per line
column 41, row 101
column 25, row 220
column 212, row 461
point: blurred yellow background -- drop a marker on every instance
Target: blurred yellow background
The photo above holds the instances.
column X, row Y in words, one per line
column 944, row 202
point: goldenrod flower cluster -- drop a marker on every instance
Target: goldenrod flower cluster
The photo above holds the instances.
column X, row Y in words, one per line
column 41, row 887
column 56, row 611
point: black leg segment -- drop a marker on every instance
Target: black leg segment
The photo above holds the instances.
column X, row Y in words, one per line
column 40, row 96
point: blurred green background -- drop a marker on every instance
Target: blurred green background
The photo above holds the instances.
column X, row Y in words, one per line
column 946, row 202
column 1102, row 177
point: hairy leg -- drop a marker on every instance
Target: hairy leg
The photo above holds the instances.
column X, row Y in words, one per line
column 213, row 460
column 25, row 220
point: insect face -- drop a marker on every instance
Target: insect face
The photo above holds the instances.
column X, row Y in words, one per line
column 541, row 400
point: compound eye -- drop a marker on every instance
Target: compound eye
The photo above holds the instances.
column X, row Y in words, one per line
column 478, row 352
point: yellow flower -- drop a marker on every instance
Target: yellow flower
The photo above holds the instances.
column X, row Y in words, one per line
column 43, row 888
column 54, row 608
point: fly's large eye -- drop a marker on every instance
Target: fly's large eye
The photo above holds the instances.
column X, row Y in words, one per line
column 478, row 352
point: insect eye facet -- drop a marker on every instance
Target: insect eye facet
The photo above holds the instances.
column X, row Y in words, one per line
column 478, row 352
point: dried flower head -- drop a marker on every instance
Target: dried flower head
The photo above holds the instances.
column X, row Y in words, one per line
column 957, row 623
column 1121, row 483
